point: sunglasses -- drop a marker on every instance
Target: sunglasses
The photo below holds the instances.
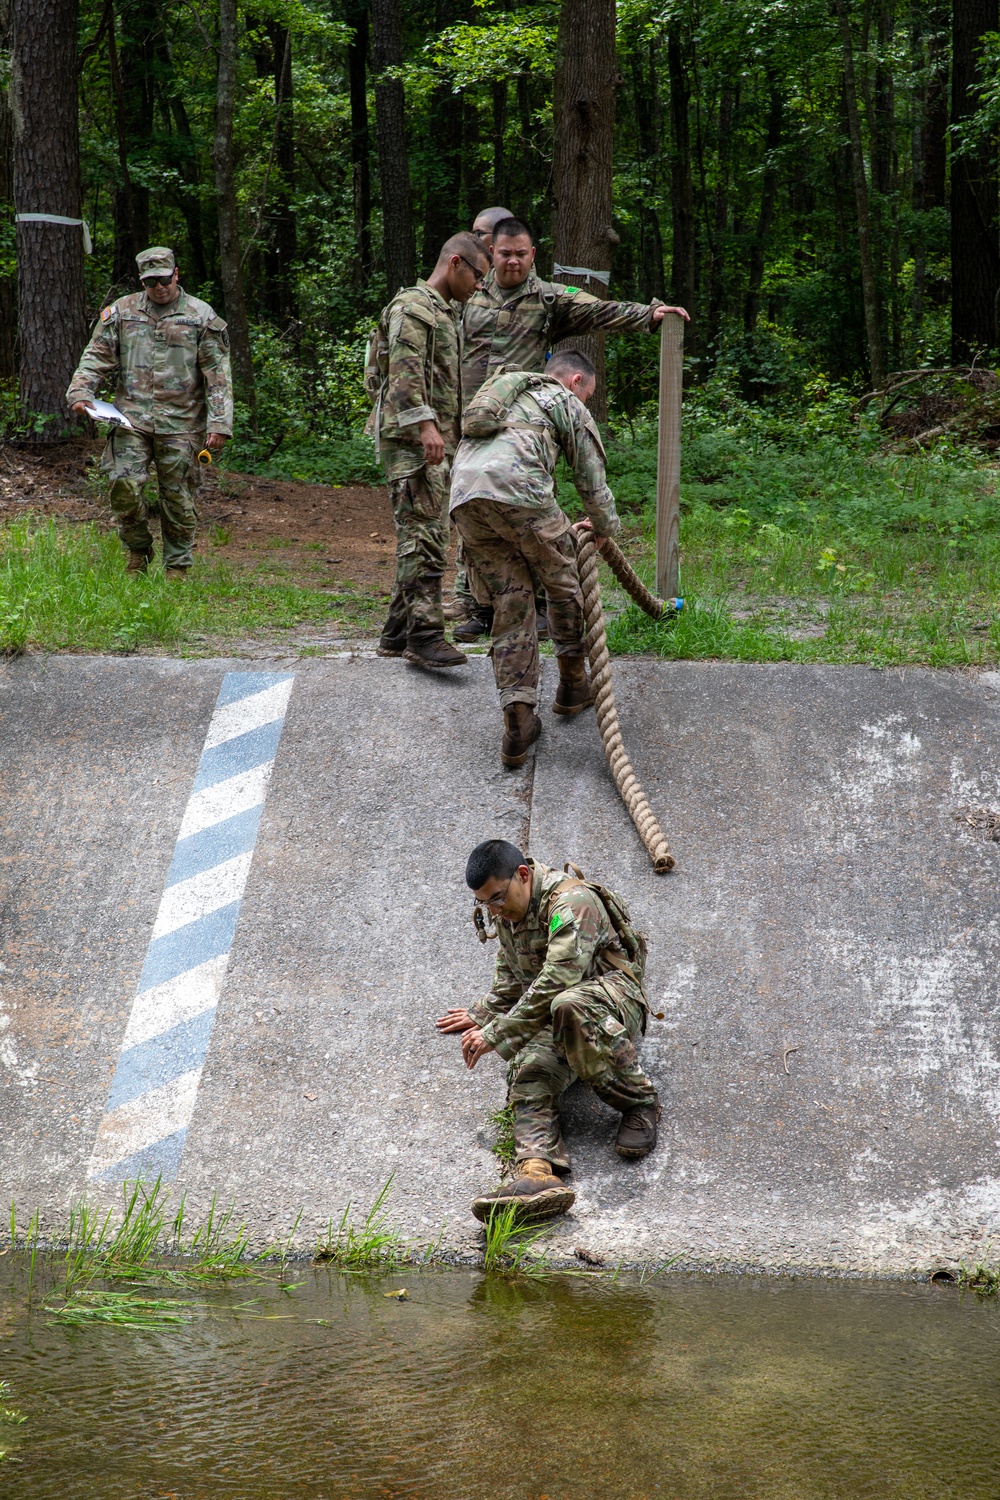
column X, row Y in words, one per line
column 158, row 280
column 479, row 275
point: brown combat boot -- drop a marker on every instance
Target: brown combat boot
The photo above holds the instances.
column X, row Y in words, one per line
column 176, row 575
column 522, row 726
column 138, row 562
column 575, row 691
column 636, row 1136
column 536, row 1192
column 433, row 651
column 478, row 622
column 459, row 608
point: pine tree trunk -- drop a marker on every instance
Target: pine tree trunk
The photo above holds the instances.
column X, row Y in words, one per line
column 357, row 73
column 132, row 60
column 975, row 258
column 51, row 319
column 8, row 284
column 282, row 241
column 869, row 284
column 683, row 266
column 583, row 107
column 646, row 101
column 393, row 163
column 225, row 192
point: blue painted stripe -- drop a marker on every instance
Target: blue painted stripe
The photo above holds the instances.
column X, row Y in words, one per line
column 203, row 851
column 161, row 1159
column 191, row 945
column 239, row 754
column 161, row 1059
column 237, row 685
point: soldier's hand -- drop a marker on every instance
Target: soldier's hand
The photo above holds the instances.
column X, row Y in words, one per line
column 81, row 407
column 659, row 313
column 215, row 441
column 454, row 1020
column 433, row 443
column 588, row 526
column 474, row 1046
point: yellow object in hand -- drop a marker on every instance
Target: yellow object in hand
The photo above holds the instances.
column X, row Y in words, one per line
column 204, row 457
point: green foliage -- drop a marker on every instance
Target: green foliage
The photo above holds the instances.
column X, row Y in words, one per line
column 67, row 590
column 504, row 1147
column 373, row 1245
column 982, row 1278
column 509, row 1248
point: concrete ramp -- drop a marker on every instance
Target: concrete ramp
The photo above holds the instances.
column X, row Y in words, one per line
column 825, row 955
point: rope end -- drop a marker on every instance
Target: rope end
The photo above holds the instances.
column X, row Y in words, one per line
column 664, row 863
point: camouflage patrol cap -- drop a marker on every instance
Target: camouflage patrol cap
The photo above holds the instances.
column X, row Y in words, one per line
column 158, row 260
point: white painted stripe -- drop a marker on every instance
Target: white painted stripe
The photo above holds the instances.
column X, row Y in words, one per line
column 144, row 1121
column 165, row 1005
column 227, row 798
column 190, row 899
column 248, row 713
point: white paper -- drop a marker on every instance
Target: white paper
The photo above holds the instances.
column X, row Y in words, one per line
column 104, row 411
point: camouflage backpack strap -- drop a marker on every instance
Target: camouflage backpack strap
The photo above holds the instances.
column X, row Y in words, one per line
column 488, row 411
column 612, row 905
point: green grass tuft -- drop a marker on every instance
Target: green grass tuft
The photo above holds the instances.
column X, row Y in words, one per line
column 374, row 1245
column 509, row 1248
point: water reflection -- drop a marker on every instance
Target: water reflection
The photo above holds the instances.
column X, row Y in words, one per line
column 476, row 1389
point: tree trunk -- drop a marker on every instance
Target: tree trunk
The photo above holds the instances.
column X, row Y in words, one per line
column 393, row 163
column 357, row 73
column 645, row 98
column 51, row 319
column 499, row 100
column 869, row 285
column 975, row 259
column 279, row 257
column 768, row 196
column 8, row 284
column 583, row 108
column 225, row 192
column 936, row 106
column 682, row 188
column 132, row 63
column 720, row 218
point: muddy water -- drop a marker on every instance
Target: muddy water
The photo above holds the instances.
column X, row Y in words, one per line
column 477, row 1389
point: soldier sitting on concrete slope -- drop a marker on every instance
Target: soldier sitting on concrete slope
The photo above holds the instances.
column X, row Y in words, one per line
column 413, row 377
column 567, row 1002
column 517, row 537
column 171, row 356
column 517, row 317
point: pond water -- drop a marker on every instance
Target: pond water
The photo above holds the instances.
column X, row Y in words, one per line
column 477, row 1388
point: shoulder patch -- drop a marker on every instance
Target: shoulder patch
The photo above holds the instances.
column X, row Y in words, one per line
column 571, row 291
column 422, row 312
column 107, row 312
column 558, row 920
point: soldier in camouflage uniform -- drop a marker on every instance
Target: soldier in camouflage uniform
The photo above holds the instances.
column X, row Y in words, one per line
column 517, row 318
column 517, row 537
column 565, row 1003
column 170, row 354
column 416, row 422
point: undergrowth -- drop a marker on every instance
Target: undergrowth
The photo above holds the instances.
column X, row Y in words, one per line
column 66, row 589
column 374, row 1244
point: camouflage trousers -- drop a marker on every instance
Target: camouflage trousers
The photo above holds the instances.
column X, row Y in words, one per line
column 126, row 460
column 518, row 551
column 420, row 512
column 592, row 1037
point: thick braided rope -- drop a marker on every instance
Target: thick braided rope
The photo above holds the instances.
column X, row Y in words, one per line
column 630, row 580
column 632, row 793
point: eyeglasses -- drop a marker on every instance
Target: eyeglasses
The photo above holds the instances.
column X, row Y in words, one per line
column 497, row 900
column 481, row 234
column 149, row 281
column 474, row 269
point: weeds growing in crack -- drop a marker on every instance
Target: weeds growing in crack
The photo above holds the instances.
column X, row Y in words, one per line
column 373, row 1245
column 509, row 1248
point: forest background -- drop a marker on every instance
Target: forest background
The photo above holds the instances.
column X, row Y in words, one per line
column 815, row 181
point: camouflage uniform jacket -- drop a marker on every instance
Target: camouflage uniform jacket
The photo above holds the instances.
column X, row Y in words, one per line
column 518, row 325
column 171, row 363
column 559, row 944
column 425, row 351
column 516, row 464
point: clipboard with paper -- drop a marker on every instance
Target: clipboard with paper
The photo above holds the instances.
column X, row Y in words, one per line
column 106, row 411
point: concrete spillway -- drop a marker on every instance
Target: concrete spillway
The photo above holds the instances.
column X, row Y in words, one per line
column 825, row 955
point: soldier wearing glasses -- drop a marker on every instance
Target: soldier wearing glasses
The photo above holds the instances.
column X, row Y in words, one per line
column 565, row 1003
column 170, row 354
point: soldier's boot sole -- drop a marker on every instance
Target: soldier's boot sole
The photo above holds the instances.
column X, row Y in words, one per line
column 637, row 1132
column 439, row 655
column 522, row 727
column 547, row 1203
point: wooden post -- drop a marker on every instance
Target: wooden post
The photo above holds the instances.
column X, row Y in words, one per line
column 668, row 457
